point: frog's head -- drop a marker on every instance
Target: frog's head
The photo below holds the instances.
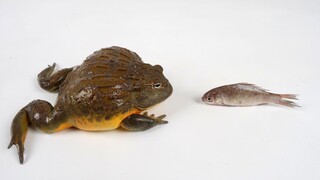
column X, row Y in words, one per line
column 153, row 87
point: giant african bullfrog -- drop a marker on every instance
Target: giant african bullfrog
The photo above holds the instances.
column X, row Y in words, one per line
column 110, row 89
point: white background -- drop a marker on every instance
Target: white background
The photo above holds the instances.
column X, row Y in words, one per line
column 201, row 45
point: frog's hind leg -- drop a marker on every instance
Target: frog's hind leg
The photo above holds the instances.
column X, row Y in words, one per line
column 138, row 122
column 51, row 82
column 40, row 114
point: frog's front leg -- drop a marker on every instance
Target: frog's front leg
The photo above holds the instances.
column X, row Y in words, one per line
column 40, row 114
column 138, row 122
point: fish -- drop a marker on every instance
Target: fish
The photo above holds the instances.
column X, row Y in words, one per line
column 246, row 94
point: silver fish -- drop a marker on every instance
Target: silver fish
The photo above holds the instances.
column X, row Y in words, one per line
column 245, row 94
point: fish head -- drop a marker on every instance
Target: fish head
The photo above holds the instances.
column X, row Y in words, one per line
column 212, row 97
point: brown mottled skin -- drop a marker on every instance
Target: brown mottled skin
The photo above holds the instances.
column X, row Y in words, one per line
column 109, row 89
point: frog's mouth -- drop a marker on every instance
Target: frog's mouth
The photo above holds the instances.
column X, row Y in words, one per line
column 147, row 105
column 146, row 108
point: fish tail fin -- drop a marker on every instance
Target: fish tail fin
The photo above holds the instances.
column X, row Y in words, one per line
column 283, row 100
column 289, row 96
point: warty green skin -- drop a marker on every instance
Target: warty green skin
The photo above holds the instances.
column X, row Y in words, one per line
column 109, row 82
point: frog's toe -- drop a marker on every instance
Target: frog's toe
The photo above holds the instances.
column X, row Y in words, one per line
column 162, row 116
column 20, row 147
column 160, row 120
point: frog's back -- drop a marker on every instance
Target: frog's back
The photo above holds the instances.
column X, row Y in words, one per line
column 100, row 87
column 115, row 53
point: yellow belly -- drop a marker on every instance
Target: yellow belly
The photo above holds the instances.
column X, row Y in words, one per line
column 101, row 125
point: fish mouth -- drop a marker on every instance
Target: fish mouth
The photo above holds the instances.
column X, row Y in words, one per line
column 204, row 98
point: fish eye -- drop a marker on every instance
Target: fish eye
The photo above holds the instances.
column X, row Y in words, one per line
column 157, row 85
column 209, row 99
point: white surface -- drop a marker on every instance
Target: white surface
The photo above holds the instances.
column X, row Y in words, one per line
column 201, row 45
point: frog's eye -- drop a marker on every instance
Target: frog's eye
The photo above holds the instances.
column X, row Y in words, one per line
column 157, row 85
column 158, row 67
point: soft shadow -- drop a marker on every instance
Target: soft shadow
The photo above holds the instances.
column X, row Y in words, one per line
column 198, row 100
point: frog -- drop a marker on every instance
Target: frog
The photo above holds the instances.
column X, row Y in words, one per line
column 111, row 89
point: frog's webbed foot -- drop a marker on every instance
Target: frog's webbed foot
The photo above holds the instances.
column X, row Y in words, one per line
column 19, row 130
column 20, row 147
column 51, row 82
column 141, row 122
